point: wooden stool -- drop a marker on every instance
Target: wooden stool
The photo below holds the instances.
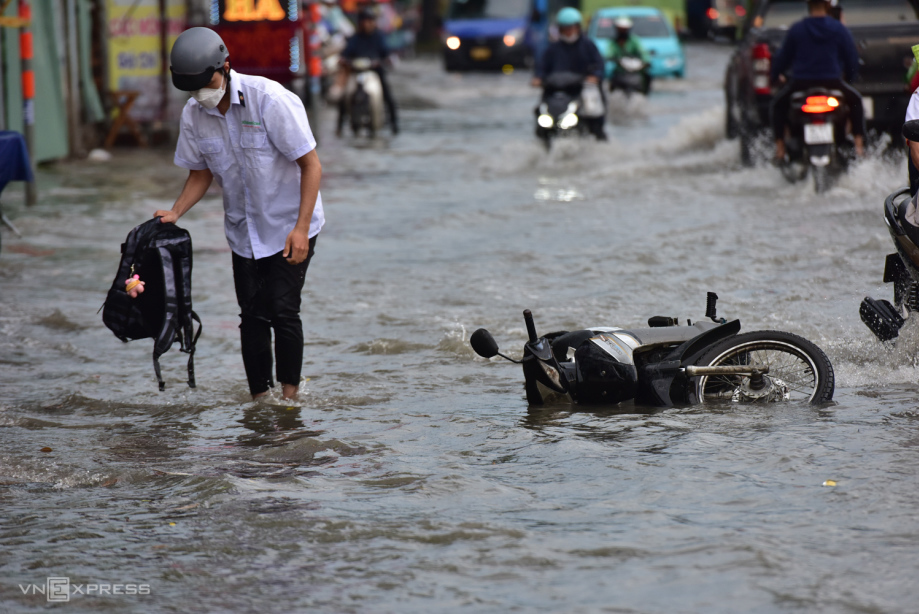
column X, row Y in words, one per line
column 124, row 100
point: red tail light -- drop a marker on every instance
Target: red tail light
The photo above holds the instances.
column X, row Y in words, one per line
column 740, row 11
column 713, row 13
column 762, row 66
column 820, row 104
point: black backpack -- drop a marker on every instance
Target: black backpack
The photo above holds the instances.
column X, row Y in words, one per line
column 161, row 255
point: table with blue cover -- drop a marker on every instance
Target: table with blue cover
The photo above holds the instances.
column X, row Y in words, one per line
column 14, row 159
column 14, row 165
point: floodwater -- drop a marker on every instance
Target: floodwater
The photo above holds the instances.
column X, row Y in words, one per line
column 412, row 477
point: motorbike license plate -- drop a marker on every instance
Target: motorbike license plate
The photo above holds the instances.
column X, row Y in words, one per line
column 868, row 103
column 818, row 134
column 480, row 53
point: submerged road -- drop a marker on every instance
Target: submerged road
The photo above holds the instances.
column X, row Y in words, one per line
column 412, row 477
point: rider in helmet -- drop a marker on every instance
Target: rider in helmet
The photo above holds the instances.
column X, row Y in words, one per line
column 253, row 136
column 575, row 53
column 820, row 51
column 626, row 44
column 368, row 42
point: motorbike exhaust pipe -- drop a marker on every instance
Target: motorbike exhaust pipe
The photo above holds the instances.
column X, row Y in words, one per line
column 693, row 371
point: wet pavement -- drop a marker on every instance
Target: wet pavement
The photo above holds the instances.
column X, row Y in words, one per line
column 411, row 477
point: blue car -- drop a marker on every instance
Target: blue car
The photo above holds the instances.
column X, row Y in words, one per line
column 491, row 34
column 652, row 28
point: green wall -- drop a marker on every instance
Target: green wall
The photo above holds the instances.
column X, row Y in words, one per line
column 51, row 136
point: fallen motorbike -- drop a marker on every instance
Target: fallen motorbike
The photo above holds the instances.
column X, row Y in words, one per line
column 567, row 107
column 668, row 364
column 364, row 97
column 901, row 268
column 630, row 76
column 817, row 142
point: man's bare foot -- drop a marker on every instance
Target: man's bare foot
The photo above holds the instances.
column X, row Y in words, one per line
column 289, row 391
column 259, row 395
column 780, row 151
column 860, row 146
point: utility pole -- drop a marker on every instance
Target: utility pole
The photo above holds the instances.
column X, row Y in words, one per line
column 28, row 91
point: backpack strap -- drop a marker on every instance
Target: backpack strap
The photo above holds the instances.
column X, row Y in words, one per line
column 166, row 337
column 191, row 351
column 156, row 369
column 188, row 316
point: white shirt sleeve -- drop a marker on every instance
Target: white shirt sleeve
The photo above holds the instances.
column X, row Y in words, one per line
column 288, row 128
column 187, row 153
column 912, row 111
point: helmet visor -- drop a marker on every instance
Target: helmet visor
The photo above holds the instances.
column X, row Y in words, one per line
column 190, row 83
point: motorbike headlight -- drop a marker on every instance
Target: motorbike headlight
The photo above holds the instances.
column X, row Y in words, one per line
column 553, row 375
column 514, row 37
column 569, row 121
column 545, row 121
column 453, row 43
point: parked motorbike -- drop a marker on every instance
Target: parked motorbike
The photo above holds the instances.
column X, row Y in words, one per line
column 567, row 107
column 630, row 76
column 668, row 364
column 902, row 267
column 364, row 97
column 817, row 143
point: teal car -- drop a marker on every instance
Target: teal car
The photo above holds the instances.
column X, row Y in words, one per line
column 651, row 27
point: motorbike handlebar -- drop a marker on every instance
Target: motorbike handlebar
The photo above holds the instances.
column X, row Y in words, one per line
column 531, row 326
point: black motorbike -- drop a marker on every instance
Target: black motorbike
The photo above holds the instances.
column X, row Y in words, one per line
column 817, row 143
column 558, row 111
column 902, row 267
column 667, row 364
column 364, row 97
column 630, row 76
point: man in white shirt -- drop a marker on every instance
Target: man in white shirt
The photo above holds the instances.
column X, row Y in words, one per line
column 912, row 112
column 253, row 137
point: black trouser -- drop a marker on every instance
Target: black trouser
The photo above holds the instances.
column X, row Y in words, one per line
column 387, row 99
column 268, row 293
column 782, row 103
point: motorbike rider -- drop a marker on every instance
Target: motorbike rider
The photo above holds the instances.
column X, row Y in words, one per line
column 367, row 42
column 912, row 113
column 626, row 45
column 575, row 53
column 820, row 51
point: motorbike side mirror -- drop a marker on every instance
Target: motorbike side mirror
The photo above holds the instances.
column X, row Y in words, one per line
column 483, row 343
column 911, row 130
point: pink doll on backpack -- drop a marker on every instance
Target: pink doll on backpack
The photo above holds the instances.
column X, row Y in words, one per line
column 134, row 286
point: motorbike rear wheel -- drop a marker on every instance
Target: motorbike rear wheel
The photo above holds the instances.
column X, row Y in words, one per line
column 797, row 367
column 823, row 180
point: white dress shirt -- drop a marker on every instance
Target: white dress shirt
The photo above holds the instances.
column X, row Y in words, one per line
column 252, row 152
column 912, row 111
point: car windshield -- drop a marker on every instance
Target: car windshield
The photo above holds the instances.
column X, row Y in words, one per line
column 783, row 13
column 646, row 26
column 488, row 9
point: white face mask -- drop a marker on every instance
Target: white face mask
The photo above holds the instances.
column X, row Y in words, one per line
column 209, row 97
column 571, row 38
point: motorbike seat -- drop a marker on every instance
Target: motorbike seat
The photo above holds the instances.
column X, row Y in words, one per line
column 908, row 218
column 900, row 217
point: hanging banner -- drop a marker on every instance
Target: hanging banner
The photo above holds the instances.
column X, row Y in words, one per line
column 135, row 54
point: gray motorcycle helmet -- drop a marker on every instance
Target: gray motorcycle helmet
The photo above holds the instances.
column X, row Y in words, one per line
column 196, row 55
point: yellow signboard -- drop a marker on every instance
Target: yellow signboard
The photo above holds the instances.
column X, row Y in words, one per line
column 134, row 51
column 254, row 10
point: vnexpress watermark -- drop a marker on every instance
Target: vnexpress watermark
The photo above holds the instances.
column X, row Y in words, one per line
column 61, row 589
